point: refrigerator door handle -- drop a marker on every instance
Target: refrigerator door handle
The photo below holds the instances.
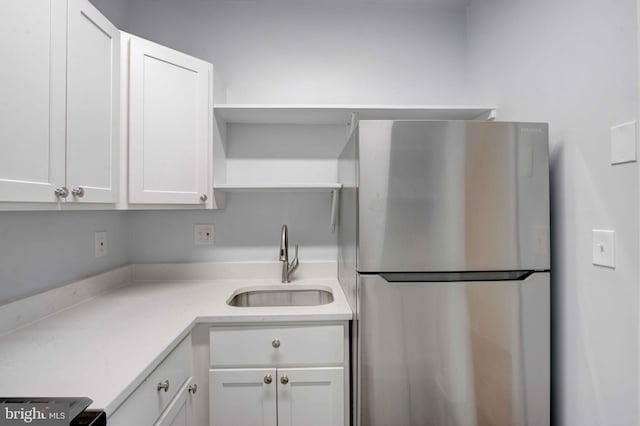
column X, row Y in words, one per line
column 465, row 276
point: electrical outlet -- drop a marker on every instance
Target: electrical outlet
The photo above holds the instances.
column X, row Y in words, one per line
column 100, row 238
column 203, row 234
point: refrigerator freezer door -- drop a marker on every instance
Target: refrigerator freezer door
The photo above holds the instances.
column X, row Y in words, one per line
column 454, row 353
column 452, row 196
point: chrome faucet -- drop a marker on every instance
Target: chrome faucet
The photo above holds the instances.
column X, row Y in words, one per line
column 287, row 268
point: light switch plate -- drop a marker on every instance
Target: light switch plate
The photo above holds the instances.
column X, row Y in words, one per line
column 623, row 143
column 604, row 248
column 203, row 234
column 100, row 238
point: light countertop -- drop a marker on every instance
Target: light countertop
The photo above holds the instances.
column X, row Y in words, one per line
column 104, row 348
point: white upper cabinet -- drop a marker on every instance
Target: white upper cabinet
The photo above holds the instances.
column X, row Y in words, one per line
column 170, row 121
column 59, row 103
column 32, row 99
column 93, row 104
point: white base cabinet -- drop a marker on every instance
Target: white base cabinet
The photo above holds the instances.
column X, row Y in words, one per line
column 279, row 376
column 165, row 396
column 243, row 397
column 179, row 412
column 311, row 396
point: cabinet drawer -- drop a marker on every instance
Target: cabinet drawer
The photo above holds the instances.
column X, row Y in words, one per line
column 146, row 403
column 276, row 346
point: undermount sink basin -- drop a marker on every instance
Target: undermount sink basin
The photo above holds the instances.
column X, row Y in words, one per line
column 299, row 296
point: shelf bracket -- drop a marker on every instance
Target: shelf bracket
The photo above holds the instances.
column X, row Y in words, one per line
column 334, row 209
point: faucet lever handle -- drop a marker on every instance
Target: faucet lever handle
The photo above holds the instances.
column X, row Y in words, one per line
column 296, row 255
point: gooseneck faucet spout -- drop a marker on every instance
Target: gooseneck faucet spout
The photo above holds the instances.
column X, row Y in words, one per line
column 287, row 268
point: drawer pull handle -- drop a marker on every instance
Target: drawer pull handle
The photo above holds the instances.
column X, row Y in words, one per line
column 284, row 380
column 268, row 379
column 163, row 386
column 193, row 389
column 275, row 343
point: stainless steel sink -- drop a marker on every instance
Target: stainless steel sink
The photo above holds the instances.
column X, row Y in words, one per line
column 281, row 297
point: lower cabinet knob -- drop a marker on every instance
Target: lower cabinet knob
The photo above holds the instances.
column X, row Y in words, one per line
column 78, row 192
column 284, row 380
column 163, row 386
column 204, row 198
column 268, row 379
column 275, row 343
column 193, row 389
column 62, row 192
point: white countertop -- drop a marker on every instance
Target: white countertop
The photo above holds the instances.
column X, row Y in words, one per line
column 104, row 348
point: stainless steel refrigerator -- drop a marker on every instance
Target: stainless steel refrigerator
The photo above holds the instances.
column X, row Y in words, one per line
column 444, row 256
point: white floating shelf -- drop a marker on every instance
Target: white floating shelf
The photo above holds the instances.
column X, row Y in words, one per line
column 303, row 187
column 341, row 114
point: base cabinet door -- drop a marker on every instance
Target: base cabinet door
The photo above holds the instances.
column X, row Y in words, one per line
column 243, row 397
column 169, row 125
column 179, row 412
column 311, row 396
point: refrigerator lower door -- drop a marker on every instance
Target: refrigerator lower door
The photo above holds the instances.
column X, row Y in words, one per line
column 453, row 353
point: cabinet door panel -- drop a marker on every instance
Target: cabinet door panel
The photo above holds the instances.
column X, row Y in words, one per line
column 242, row 398
column 169, row 120
column 32, row 99
column 311, row 396
column 178, row 413
column 93, row 79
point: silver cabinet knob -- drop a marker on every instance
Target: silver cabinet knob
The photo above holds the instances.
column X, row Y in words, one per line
column 275, row 343
column 78, row 192
column 163, row 386
column 284, row 380
column 62, row 192
column 192, row 389
column 268, row 379
column 204, row 198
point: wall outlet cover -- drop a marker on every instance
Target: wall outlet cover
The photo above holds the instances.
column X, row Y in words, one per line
column 203, row 234
column 100, row 238
column 623, row 143
column 604, row 248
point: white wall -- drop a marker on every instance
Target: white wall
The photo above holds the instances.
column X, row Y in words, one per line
column 316, row 52
column 573, row 63
column 42, row 250
column 293, row 52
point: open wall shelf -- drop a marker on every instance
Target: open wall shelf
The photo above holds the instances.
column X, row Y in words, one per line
column 341, row 114
column 284, row 187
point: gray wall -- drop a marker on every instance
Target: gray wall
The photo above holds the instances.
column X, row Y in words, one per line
column 573, row 63
column 316, row 52
column 281, row 52
column 42, row 250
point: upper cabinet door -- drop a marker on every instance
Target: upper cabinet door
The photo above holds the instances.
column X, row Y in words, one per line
column 169, row 125
column 93, row 105
column 32, row 99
